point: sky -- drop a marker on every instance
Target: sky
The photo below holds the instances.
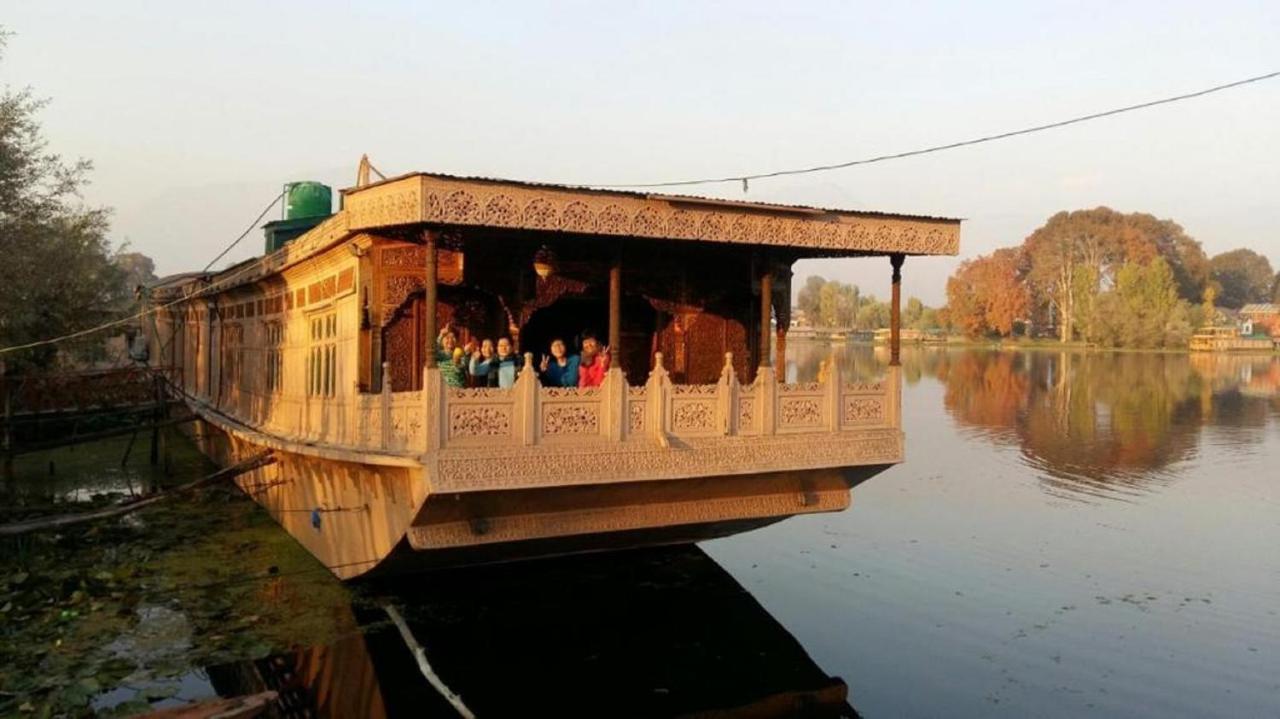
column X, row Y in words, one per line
column 194, row 115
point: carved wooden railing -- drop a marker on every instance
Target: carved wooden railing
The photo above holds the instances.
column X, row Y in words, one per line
column 659, row 411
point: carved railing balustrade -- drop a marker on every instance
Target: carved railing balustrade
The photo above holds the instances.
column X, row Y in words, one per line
column 774, row 420
column 658, row 411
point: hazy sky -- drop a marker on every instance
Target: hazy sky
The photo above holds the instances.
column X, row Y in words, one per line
column 195, row 114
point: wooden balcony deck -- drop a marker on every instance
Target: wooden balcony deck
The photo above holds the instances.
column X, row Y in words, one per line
column 530, row 436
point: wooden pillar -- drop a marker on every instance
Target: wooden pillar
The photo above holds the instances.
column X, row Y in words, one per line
column 615, row 310
column 431, row 239
column 895, row 311
column 782, row 316
column 766, row 310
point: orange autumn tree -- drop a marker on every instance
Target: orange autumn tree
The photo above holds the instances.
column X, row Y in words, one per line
column 986, row 294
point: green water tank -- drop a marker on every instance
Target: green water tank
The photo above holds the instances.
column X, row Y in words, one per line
column 307, row 199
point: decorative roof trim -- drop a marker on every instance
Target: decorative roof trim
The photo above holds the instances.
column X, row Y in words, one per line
column 415, row 199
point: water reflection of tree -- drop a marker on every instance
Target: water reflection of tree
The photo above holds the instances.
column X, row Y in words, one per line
column 1096, row 423
column 1102, row 423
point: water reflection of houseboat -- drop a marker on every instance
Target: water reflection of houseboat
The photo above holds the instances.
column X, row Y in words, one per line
column 652, row 633
column 1229, row 339
column 322, row 350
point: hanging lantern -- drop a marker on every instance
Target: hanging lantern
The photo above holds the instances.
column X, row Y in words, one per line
column 544, row 262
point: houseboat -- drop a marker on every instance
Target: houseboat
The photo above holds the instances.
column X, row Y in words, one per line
column 324, row 352
column 1229, row 339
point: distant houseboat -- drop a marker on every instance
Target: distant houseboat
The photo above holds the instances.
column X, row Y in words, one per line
column 1228, row 339
column 324, row 351
column 884, row 336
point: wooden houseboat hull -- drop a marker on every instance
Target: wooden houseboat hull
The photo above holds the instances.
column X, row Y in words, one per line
column 359, row 518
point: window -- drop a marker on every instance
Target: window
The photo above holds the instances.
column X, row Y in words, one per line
column 232, row 355
column 274, row 356
column 323, row 356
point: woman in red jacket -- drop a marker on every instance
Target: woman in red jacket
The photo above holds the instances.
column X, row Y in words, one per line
column 594, row 363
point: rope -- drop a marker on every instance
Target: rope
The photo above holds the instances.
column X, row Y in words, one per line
column 125, row 320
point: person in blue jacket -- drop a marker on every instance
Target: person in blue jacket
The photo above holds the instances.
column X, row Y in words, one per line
column 504, row 366
column 561, row 368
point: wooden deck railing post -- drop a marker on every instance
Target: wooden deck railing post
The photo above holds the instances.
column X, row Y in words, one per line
column 727, row 396
column 527, row 412
column 893, row 397
column 384, row 406
column 613, row 403
column 434, row 408
column 766, row 399
column 831, row 389
column 656, row 400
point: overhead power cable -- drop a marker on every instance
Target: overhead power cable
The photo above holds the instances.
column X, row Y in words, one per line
column 252, row 226
column 131, row 318
column 939, row 148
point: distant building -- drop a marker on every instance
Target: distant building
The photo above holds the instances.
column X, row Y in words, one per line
column 1263, row 318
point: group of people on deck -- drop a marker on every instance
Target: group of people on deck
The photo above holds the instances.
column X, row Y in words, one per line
column 496, row 364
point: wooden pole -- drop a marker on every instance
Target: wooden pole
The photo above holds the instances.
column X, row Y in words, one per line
column 431, row 238
column 260, row 460
column 8, row 424
column 156, row 416
column 615, row 310
column 780, row 361
column 895, row 312
column 766, row 310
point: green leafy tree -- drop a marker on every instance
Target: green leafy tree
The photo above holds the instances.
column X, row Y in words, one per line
column 57, row 275
column 1144, row 309
column 1244, row 276
column 912, row 312
column 808, row 299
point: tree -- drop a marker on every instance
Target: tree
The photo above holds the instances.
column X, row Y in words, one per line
column 1075, row 255
column 57, row 275
column 1244, row 276
column 1275, row 289
column 986, row 294
column 1144, row 309
column 808, row 297
column 137, row 269
column 912, row 312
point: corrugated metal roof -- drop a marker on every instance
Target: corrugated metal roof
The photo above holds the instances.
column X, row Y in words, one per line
column 1262, row 308
column 809, row 209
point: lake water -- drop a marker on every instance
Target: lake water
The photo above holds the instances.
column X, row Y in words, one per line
column 1072, row 534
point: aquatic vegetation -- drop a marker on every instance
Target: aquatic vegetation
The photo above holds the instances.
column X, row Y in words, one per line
column 112, row 614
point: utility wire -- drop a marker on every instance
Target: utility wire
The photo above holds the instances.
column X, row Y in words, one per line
column 125, row 320
column 252, row 226
column 950, row 146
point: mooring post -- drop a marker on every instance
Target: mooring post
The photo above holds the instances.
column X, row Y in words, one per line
column 156, row 416
column 8, row 424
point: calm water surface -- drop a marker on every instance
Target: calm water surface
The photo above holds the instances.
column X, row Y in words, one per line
column 1072, row 534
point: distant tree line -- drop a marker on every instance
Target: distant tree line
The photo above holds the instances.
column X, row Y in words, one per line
column 830, row 303
column 59, row 272
column 1106, row 277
